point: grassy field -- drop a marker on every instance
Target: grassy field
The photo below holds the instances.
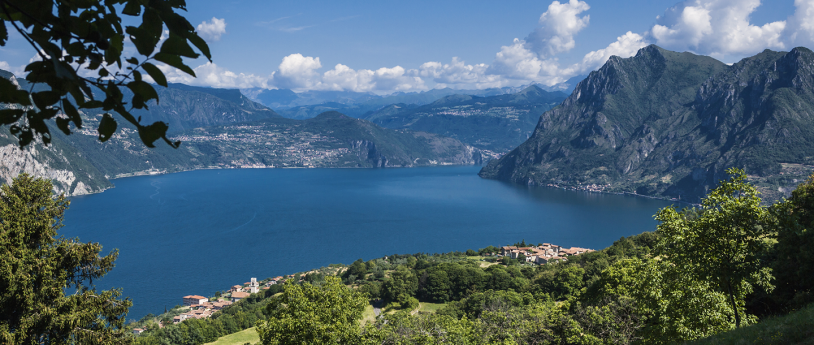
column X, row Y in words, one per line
column 481, row 261
column 368, row 315
column 430, row 308
column 794, row 328
column 245, row 336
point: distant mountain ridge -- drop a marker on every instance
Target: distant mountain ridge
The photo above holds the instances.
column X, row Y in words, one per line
column 668, row 124
column 221, row 129
column 497, row 123
column 308, row 104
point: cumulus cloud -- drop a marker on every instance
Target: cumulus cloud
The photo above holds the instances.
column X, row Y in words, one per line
column 298, row 72
column 210, row 74
column 19, row 71
column 558, row 25
column 720, row 28
column 213, row 29
column 716, row 27
column 625, row 46
column 344, row 78
column 799, row 27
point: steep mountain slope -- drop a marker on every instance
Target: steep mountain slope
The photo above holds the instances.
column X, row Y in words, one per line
column 668, row 124
column 223, row 130
column 496, row 123
column 185, row 107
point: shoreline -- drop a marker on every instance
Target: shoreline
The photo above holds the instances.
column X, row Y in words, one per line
column 159, row 172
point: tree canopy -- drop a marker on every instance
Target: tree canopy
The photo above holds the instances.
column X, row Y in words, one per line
column 314, row 314
column 724, row 243
column 37, row 266
column 80, row 47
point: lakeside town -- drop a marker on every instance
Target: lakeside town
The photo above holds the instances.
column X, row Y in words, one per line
column 200, row 307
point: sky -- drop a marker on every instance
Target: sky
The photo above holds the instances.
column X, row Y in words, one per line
column 389, row 46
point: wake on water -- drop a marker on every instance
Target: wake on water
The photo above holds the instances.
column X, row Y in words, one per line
column 244, row 224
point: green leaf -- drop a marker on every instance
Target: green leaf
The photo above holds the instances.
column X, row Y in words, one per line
column 3, row 33
column 145, row 44
column 177, row 45
column 62, row 124
column 149, row 134
column 92, row 104
column 72, row 113
column 200, row 44
column 107, row 126
column 9, row 116
column 45, row 98
column 152, row 23
column 142, row 89
column 155, row 73
column 174, row 61
column 10, row 94
column 133, row 8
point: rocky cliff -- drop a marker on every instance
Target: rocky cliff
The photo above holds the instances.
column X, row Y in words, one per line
column 668, row 124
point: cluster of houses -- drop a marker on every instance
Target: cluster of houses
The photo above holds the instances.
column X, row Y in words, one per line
column 542, row 254
column 201, row 307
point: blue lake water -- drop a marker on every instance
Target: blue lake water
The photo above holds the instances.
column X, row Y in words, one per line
column 203, row 231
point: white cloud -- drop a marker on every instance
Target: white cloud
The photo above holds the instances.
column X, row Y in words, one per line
column 558, row 25
column 210, row 74
column 720, row 28
column 625, row 46
column 213, row 29
column 716, row 27
column 800, row 26
column 298, row 72
column 19, row 71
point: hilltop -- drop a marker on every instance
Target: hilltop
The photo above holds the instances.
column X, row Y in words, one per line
column 668, row 124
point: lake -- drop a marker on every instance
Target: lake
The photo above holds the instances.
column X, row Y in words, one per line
column 198, row 232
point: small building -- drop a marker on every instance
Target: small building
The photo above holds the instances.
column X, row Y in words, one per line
column 253, row 286
column 239, row 295
column 507, row 249
column 194, row 299
column 236, row 288
column 138, row 331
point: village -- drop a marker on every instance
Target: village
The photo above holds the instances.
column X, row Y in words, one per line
column 200, row 307
column 541, row 254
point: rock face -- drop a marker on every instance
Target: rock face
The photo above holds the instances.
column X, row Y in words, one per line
column 668, row 124
column 69, row 173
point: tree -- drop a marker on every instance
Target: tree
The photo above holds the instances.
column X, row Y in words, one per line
column 310, row 314
column 723, row 243
column 80, row 47
column 795, row 247
column 402, row 282
column 357, row 269
column 673, row 305
column 36, row 266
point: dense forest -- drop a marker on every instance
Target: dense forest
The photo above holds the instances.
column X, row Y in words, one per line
column 725, row 264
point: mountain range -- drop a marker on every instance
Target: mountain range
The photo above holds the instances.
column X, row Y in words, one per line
column 309, row 104
column 221, row 129
column 496, row 123
column 669, row 124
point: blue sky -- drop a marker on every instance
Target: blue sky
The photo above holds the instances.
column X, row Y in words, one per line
column 387, row 46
